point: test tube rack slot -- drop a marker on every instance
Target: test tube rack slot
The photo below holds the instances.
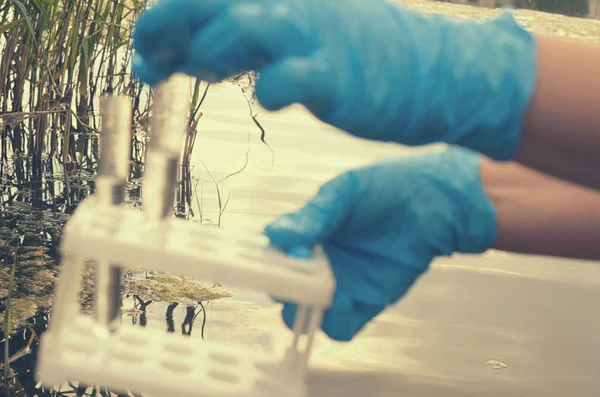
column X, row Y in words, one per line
column 80, row 347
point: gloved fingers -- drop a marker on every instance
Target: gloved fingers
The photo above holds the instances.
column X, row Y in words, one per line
column 304, row 80
column 245, row 37
column 144, row 71
column 298, row 232
column 298, row 252
column 163, row 33
column 342, row 321
column 165, row 20
column 279, row 300
column 152, row 71
column 347, row 318
column 288, row 313
column 218, row 50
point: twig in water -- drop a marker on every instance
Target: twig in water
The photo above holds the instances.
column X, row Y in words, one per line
column 219, row 199
column 263, row 133
column 240, row 170
column 203, row 319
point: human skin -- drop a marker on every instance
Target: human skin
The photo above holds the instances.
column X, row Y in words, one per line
column 561, row 128
column 541, row 215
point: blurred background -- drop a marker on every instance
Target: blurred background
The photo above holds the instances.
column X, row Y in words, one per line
column 240, row 167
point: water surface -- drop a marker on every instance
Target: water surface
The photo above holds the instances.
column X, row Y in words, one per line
column 490, row 325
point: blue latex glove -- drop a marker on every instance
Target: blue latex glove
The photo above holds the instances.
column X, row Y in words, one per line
column 374, row 69
column 382, row 225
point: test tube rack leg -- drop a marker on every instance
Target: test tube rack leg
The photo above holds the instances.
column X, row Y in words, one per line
column 135, row 358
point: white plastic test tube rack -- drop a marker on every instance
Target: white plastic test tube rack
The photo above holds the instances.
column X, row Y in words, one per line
column 78, row 347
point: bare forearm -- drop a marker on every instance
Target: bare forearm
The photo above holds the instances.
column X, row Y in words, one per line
column 561, row 132
column 542, row 215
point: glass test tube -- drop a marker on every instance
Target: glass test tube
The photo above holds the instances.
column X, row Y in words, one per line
column 113, row 172
column 168, row 126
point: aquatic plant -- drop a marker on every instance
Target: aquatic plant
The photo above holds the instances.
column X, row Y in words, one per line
column 58, row 57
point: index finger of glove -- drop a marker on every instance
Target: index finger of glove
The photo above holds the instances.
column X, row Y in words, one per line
column 163, row 32
column 246, row 37
column 319, row 219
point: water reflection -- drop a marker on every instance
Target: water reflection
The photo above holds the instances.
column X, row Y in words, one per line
column 536, row 316
column 436, row 342
column 36, row 198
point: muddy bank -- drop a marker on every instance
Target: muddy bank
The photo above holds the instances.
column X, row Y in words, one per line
column 580, row 29
column 29, row 238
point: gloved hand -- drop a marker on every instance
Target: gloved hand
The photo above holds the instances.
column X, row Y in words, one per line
column 382, row 225
column 374, row 69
